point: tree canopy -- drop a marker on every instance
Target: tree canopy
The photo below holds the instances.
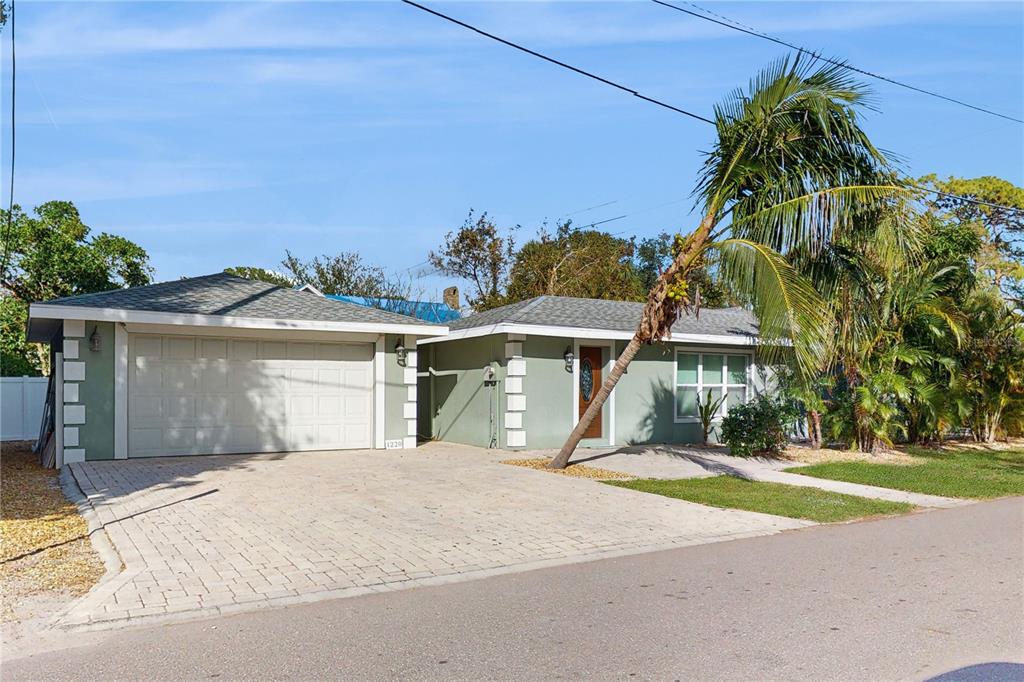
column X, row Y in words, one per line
column 51, row 253
column 481, row 254
column 574, row 262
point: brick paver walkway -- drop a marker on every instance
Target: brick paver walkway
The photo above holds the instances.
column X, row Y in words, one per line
column 209, row 535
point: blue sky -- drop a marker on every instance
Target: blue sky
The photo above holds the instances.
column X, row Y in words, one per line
column 217, row 134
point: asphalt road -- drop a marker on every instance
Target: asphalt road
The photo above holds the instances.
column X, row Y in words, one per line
column 913, row 597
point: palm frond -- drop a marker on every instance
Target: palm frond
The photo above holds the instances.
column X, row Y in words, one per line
column 796, row 126
column 790, row 313
column 809, row 221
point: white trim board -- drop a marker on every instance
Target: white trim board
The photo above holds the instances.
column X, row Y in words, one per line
column 585, row 333
column 120, row 392
column 64, row 312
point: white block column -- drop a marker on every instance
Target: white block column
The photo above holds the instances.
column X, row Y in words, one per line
column 409, row 406
column 69, row 392
column 515, row 396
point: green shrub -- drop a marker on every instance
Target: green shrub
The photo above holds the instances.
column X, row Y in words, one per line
column 757, row 427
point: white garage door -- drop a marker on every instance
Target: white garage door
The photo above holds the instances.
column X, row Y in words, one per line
column 203, row 395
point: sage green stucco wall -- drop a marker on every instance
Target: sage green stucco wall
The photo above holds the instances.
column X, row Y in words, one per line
column 461, row 406
column 643, row 402
column 394, row 390
column 549, row 393
column 96, row 435
column 644, row 397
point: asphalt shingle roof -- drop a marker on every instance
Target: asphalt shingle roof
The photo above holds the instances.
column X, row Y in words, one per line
column 228, row 295
column 620, row 316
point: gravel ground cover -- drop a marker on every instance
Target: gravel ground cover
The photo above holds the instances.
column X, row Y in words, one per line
column 45, row 552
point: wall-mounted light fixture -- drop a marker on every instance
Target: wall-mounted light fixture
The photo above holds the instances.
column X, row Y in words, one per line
column 401, row 354
column 569, row 357
column 95, row 340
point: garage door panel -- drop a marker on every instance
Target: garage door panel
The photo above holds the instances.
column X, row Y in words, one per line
column 179, row 409
column 148, row 346
column 302, row 378
column 243, row 350
column 214, row 377
column 328, row 408
column 179, row 441
column 147, row 441
column 243, row 409
column 274, row 350
column 148, row 408
column 212, row 408
column 179, row 348
column 148, row 377
column 192, row 395
column 355, row 408
column 329, row 380
column 213, row 349
column 355, row 377
column 301, row 351
column 301, row 407
column 178, row 377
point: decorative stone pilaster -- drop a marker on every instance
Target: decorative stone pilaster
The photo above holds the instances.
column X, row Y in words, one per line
column 73, row 373
column 515, row 397
column 409, row 407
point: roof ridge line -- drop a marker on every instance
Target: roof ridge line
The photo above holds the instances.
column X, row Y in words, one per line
column 527, row 308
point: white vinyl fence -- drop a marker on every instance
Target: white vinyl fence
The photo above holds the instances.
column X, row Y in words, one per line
column 21, row 407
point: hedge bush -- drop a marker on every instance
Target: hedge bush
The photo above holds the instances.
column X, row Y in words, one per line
column 757, row 427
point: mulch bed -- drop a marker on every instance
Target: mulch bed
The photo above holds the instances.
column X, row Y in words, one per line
column 574, row 470
column 38, row 521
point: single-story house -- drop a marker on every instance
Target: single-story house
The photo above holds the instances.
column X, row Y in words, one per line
column 221, row 364
column 522, row 374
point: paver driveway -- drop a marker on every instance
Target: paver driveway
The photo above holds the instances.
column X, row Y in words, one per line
column 225, row 533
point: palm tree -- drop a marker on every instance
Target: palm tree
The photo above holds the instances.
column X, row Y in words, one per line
column 893, row 319
column 790, row 169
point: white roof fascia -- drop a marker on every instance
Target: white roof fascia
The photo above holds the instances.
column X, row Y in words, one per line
column 586, row 333
column 59, row 312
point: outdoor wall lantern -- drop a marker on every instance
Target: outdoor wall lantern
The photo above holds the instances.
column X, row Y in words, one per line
column 569, row 357
column 401, row 354
column 95, row 340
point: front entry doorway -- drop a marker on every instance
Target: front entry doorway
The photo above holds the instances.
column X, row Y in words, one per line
column 590, row 384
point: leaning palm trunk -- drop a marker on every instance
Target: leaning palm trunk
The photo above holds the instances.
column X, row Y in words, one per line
column 659, row 314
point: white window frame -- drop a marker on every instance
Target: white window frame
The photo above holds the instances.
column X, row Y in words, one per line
column 701, row 388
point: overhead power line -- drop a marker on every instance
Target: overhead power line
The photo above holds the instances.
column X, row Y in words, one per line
column 736, row 26
column 660, row 103
column 556, row 62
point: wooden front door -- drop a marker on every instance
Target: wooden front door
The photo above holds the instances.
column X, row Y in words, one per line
column 590, row 383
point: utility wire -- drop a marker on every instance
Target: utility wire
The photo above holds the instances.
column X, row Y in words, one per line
column 633, row 92
column 554, row 61
column 10, row 207
column 736, row 26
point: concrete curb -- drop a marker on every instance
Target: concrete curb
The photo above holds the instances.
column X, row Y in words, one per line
column 112, row 563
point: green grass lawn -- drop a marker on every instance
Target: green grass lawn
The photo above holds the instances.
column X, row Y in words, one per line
column 770, row 498
column 954, row 473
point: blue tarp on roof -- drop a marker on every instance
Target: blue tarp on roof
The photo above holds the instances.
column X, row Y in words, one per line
column 427, row 311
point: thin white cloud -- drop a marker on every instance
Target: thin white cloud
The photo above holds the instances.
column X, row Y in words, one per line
column 90, row 29
column 101, row 180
